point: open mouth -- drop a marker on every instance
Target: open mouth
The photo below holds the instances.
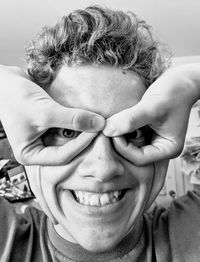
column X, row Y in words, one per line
column 98, row 199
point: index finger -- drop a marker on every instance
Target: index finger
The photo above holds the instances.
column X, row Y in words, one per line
column 38, row 154
column 160, row 149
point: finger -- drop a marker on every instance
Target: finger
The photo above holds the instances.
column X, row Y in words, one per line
column 159, row 150
column 128, row 120
column 72, row 118
column 38, row 154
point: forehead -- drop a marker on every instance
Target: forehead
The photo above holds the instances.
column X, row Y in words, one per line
column 101, row 89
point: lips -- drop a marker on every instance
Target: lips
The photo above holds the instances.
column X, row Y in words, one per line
column 98, row 199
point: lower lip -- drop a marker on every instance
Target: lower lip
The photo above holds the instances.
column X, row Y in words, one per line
column 99, row 211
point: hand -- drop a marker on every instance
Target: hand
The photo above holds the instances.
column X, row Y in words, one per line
column 165, row 107
column 27, row 112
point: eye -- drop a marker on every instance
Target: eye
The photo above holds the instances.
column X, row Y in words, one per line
column 138, row 137
column 59, row 136
column 68, row 133
column 137, row 134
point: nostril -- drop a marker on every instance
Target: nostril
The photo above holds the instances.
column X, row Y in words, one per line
column 101, row 170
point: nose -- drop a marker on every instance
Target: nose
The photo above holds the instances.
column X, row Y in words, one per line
column 101, row 162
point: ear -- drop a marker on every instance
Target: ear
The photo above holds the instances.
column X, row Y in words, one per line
column 158, row 181
column 33, row 173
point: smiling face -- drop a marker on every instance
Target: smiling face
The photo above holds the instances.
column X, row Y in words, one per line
column 99, row 196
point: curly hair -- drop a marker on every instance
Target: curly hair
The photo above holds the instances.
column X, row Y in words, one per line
column 97, row 36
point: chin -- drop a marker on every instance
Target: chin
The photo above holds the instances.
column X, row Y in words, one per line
column 99, row 243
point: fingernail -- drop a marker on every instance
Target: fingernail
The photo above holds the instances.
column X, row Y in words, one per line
column 98, row 123
column 108, row 131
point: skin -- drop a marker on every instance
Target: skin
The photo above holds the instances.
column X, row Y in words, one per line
column 101, row 166
column 167, row 101
column 31, row 111
column 27, row 107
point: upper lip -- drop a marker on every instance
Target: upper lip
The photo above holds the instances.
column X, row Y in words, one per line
column 99, row 189
column 97, row 192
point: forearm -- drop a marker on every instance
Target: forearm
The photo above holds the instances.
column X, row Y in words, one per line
column 8, row 73
column 11, row 78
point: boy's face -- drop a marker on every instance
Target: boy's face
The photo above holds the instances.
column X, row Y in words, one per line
column 99, row 196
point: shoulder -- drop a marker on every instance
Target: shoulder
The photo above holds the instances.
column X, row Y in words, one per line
column 182, row 210
column 177, row 229
column 187, row 206
column 21, row 233
column 180, row 207
column 8, row 216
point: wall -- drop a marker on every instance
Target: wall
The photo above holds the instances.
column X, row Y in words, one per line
column 176, row 22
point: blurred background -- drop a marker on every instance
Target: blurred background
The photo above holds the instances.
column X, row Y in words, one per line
column 175, row 22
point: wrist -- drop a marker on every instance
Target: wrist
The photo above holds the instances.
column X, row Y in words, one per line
column 190, row 74
column 187, row 79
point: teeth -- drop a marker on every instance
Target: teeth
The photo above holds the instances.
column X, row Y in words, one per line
column 94, row 200
column 116, row 194
column 86, row 199
column 97, row 199
column 81, row 198
column 104, row 199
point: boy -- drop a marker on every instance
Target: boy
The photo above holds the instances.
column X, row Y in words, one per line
column 102, row 61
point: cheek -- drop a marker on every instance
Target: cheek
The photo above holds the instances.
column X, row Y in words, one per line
column 48, row 176
column 53, row 175
column 144, row 174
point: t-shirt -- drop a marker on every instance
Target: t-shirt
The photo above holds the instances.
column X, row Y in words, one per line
column 165, row 235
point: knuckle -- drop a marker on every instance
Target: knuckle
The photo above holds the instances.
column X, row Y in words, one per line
column 24, row 156
column 177, row 151
column 175, row 148
column 130, row 123
column 20, row 158
column 79, row 121
column 75, row 120
column 138, row 160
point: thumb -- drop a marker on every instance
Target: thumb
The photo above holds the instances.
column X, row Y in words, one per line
column 129, row 120
column 56, row 115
